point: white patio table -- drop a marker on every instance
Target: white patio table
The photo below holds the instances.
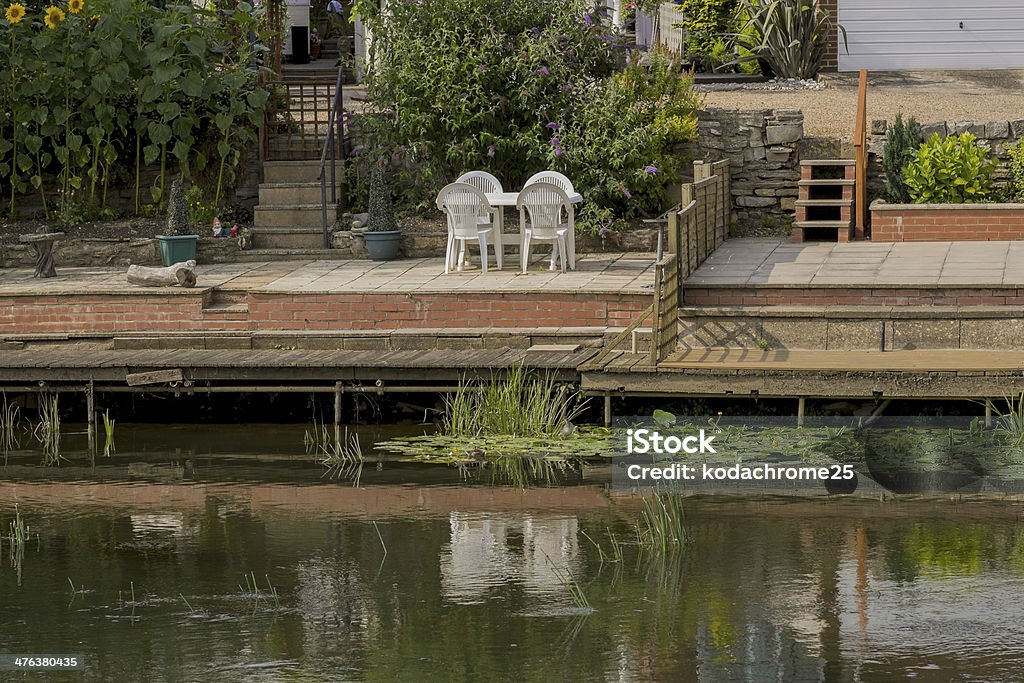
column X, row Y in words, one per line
column 502, row 199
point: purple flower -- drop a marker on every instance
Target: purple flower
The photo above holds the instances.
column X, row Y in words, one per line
column 651, row 169
column 567, row 87
column 556, row 142
column 535, row 31
column 558, row 151
column 554, row 126
column 586, row 18
column 482, row 68
column 542, row 70
column 602, row 231
column 490, row 150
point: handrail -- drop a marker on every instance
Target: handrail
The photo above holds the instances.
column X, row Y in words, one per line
column 334, row 120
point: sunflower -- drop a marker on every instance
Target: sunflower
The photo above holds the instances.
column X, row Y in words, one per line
column 54, row 15
column 15, row 13
column 75, row 6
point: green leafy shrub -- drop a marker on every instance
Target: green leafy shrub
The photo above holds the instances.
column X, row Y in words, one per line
column 902, row 139
column 177, row 211
column 706, row 21
column 124, row 83
column 954, row 170
column 790, row 35
column 514, row 88
column 382, row 212
column 620, row 149
column 1015, row 166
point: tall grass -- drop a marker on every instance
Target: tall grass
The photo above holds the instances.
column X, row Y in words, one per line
column 9, row 422
column 1011, row 421
column 47, row 432
column 517, row 405
column 108, row 431
column 17, row 537
column 662, row 524
column 341, row 456
column 571, row 586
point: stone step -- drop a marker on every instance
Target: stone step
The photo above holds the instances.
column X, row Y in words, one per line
column 301, row 216
column 825, row 181
column 824, row 202
column 848, row 328
column 273, row 254
column 294, row 193
column 843, row 229
column 828, row 162
column 291, row 171
column 287, row 238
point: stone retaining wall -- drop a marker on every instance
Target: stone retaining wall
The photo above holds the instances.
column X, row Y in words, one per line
column 113, row 252
column 764, row 148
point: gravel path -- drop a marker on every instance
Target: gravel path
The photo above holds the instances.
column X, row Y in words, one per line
column 931, row 96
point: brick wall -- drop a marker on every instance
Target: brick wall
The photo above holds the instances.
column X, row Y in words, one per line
column 106, row 314
column 831, row 60
column 913, row 223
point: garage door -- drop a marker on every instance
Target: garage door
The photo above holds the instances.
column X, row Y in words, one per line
column 886, row 35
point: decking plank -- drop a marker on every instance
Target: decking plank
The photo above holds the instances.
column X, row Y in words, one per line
column 925, row 360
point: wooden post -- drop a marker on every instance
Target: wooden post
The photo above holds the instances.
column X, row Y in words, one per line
column 90, row 411
column 339, row 391
column 607, row 409
column 801, row 405
column 988, row 413
column 860, row 141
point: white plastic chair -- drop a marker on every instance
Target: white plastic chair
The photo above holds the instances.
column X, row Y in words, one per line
column 544, row 203
column 556, row 178
column 464, row 205
column 487, row 183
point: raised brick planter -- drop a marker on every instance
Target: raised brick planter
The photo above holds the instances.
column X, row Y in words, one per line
column 943, row 222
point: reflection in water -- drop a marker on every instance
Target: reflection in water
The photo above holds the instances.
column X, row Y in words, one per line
column 492, row 551
column 789, row 591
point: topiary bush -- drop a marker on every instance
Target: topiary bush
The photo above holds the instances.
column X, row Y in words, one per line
column 955, row 170
column 902, row 139
column 177, row 211
column 382, row 212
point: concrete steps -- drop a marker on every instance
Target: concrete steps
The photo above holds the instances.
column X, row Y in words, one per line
column 289, row 214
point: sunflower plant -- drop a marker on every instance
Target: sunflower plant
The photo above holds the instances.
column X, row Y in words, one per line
column 103, row 85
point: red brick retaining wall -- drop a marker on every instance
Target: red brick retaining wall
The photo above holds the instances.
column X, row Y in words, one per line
column 104, row 314
column 942, row 222
column 877, row 296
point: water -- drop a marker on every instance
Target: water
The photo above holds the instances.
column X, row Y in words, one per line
column 418, row 575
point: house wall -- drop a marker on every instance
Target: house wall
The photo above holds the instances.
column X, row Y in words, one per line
column 831, row 61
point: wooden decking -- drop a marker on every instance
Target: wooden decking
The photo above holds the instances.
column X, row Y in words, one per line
column 79, row 362
column 924, row 360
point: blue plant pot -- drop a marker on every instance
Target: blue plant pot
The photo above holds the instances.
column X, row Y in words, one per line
column 383, row 245
column 177, row 248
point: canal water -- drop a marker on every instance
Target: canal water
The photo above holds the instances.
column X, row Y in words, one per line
column 239, row 561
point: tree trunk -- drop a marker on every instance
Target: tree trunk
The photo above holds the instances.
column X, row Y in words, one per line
column 183, row 274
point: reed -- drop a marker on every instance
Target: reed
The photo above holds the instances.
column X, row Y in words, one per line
column 47, row 432
column 1011, row 420
column 9, row 423
column 571, row 585
column 341, row 455
column 662, row 524
column 517, row 405
column 108, row 431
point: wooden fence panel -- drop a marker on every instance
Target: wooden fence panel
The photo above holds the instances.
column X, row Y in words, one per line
column 665, row 325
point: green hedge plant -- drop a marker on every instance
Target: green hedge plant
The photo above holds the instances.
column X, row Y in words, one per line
column 1015, row 166
column 954, row 170
column 902, row 139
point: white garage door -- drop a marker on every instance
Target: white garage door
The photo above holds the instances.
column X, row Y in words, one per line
column 887, row 35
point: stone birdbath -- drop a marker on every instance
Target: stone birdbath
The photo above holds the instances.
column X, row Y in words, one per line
column 42, row 245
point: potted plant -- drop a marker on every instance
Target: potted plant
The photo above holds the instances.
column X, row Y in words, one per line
column 383, row 238
column 177, row 244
